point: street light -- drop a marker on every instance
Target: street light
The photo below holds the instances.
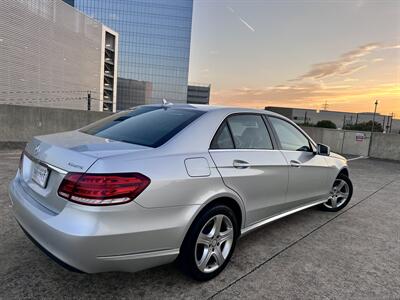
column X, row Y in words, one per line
column 372, row 127
column 373, row 118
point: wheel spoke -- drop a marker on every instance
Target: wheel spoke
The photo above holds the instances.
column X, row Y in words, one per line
column 226, row 235
column 341, row 185
column 205, row 259
column 204, row 239
column 218, row 256
column 217, row 225
column 333, row 202
column 343, row 195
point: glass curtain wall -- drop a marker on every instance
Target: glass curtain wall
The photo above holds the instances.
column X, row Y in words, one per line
column 154, row 46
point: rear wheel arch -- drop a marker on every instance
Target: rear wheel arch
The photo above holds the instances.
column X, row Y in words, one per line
column 229, row 202
column 222, row 200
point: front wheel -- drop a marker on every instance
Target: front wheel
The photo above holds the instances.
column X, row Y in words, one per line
column 340, row 194
column 209, row 244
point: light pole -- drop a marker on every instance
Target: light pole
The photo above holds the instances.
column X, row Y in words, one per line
column 391, row 121
column 372, row 128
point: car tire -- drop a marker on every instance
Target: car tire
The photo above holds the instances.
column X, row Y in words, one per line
column 207, row 248
column 340, row 194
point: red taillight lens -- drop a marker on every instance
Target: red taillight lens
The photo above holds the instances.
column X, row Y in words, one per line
column 102, row 189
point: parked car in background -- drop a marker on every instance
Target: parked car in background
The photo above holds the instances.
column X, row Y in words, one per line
column 160, row 183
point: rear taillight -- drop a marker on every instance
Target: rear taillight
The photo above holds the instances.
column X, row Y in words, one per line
column 102, row 189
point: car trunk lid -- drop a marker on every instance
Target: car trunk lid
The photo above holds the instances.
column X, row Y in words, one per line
column 47, row 159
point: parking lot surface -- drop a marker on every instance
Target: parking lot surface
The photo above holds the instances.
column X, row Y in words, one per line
column 354, row 253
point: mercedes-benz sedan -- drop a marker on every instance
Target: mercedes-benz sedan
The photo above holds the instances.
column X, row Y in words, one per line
column 160, row 183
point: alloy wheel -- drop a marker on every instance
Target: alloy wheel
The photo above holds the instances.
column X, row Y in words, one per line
column 338, row 195
column 214, row 243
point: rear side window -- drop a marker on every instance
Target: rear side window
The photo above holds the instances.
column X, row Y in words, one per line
column 147, row 126
column 243, row 131
column 223, row 138
column 249, row 132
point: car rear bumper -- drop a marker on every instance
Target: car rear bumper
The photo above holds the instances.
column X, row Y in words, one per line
column 50, row 255
column 98, row 239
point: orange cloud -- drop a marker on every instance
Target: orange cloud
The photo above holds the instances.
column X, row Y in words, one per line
column 345, row 65
column 313, row 95
column 313, row 88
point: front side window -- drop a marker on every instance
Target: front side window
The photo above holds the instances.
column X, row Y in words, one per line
column 290, row 137
column 249, row 132
column 145, row 125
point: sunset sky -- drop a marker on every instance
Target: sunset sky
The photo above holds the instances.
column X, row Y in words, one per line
column 258, row 53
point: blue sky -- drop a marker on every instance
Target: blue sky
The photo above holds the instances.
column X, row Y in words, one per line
column 298, row 53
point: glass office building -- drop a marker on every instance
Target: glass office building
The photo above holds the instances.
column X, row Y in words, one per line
column 154, row 46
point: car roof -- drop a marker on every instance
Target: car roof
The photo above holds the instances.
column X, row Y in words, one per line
column 208, row 108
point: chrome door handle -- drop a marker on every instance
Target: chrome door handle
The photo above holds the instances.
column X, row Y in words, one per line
column 295, row 163
column 240, row 164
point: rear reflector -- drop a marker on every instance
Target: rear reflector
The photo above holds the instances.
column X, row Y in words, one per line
column 102, row 189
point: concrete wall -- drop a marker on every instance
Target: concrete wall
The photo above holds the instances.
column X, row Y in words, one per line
column 18, row 124
column 341, row 141
column 353, row 146
column 332, row 138
column 385, row 146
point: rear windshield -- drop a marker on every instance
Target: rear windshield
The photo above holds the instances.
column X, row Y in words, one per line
column 147, row 126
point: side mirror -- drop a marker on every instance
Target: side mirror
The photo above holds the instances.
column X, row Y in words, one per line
column 323, row 150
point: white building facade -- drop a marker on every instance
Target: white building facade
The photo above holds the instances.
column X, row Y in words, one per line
column 54, row 55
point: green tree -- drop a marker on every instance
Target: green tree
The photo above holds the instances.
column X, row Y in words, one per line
column 326, row 124
column 365, row 126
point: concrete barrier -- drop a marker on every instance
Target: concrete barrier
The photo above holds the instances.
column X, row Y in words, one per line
column 331, row 137
column 18, row 124
column 341, row 141
column 384, row 146
column 356, row 142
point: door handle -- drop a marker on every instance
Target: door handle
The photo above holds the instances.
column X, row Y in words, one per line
column 295, row 164
column 240, row 164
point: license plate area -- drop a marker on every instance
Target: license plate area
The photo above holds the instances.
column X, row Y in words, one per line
column 40, row 174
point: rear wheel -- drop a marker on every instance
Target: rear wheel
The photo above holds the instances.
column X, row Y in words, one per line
column 209, row 243
column 340, row 194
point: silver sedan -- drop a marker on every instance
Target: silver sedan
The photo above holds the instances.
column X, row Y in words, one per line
column 163, row 183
